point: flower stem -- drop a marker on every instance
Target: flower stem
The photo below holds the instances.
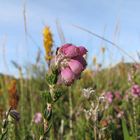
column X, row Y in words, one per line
column 71, row 113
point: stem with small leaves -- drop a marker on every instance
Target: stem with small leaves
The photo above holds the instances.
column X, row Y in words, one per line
column 49, row 98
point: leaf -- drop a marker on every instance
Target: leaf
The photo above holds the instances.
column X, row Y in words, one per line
column 125, row 131
column 51, row 79
column 4, row 135
column 58, row 94
column 54, row 70
column 47, row 131
column 47, row 114
column 112, row 128
column 46, row 97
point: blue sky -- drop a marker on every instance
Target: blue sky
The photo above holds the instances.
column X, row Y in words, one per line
column 116, row 20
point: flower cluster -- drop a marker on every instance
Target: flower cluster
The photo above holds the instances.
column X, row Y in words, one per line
column 48, row 42
column 135, row 90
column 109, row 97
column 37, row 118
column 71, row 62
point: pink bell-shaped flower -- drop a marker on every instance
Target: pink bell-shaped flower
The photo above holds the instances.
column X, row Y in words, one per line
column 75, row 66
column 67, row 76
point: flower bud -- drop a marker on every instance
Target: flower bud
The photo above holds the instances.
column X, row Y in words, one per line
column 14, row 114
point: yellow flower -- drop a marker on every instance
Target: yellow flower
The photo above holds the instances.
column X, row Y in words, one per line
column 48, row 43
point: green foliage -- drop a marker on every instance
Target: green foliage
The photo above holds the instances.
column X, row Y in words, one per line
column 52, row 78
column 125, row 131
column 33, row 100
column 46, row 97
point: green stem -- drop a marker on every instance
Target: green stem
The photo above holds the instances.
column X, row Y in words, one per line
column 134, row 116
column 71, row 113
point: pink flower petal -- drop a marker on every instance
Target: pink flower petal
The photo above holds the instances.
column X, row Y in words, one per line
column 67, row 76
column 69, row 50
column 81, row 60
column 135, row 90
column 109, row 97
column 82, row 50
column 38, row 118
column 75, row 66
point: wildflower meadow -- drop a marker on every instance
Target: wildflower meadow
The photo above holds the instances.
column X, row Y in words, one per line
column 61, row 96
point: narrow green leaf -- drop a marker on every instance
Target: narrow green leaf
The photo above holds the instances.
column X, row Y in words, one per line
column 51, row 79
column 125, row 131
